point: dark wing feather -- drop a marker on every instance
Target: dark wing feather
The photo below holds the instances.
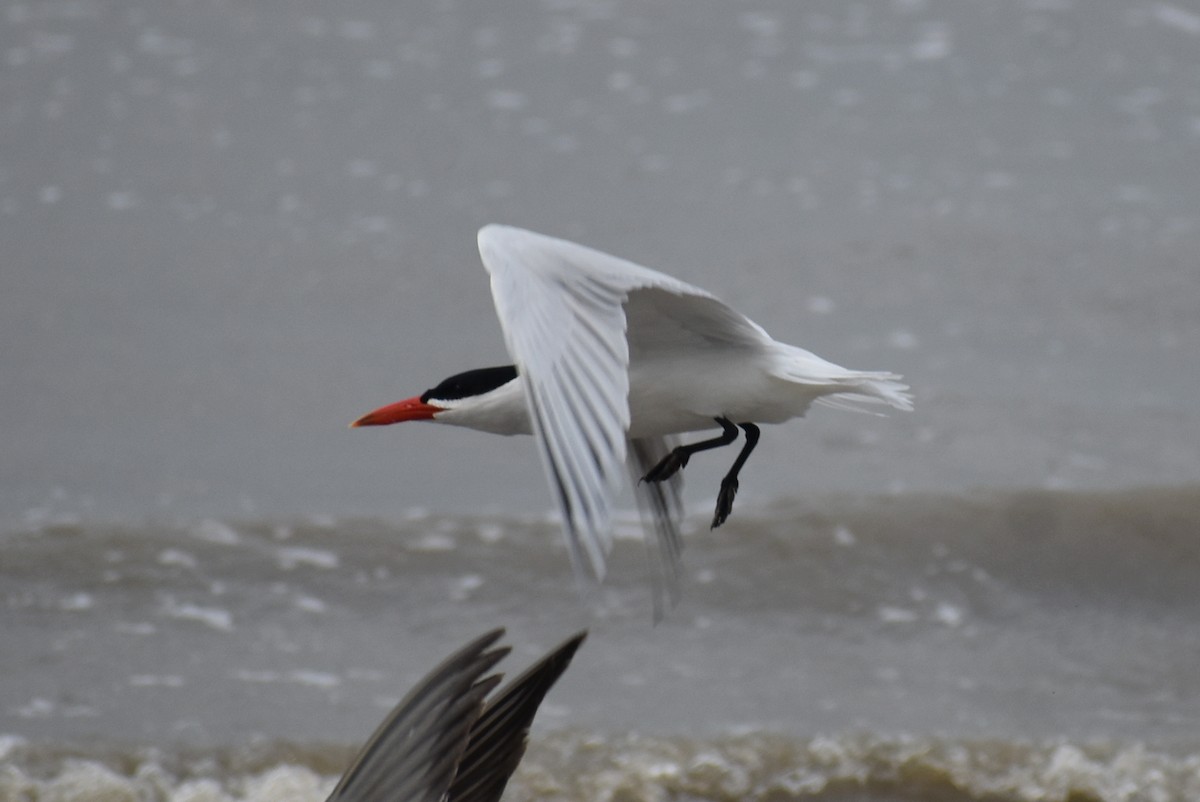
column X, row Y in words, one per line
column 414, row 754
column 499, row 738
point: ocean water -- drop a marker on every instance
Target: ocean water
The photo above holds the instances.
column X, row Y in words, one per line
column 1015, row 646
column 227, row 230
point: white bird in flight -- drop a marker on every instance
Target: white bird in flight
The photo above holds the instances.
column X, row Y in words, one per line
column 611, row 361
column 445, row 741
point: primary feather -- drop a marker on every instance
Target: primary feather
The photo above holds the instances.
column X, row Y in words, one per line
column 445, row 741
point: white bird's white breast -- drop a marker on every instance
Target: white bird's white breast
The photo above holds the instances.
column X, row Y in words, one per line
column 677, row 393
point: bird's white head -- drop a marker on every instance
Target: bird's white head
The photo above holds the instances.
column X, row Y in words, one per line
column 486, row 398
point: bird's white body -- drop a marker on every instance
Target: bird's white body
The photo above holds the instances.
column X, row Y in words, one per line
column 668, row 394
column 614, row 359
column 689, row 358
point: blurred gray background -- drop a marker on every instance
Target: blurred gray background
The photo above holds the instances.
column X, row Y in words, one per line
column 228, row 229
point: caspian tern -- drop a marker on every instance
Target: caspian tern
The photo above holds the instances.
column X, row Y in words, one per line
column 612, row 360
column 443, row 742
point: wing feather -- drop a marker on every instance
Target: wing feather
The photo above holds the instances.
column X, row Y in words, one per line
column 443, row 742
column 571, row 316
column 414, row 753
column 584, row 518
column 499, row 738
column 562, row 309
column 661, row 506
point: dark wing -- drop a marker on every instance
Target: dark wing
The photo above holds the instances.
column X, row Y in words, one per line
column 414, row 754
column 499, row 737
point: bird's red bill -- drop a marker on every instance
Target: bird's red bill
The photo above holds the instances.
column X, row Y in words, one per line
column 408, row 409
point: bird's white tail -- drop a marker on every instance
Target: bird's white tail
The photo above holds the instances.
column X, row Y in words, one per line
column 841, row 388
column 867, row 388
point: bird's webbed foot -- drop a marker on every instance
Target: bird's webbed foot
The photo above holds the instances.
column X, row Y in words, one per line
column 668, row 466
column 729, row 489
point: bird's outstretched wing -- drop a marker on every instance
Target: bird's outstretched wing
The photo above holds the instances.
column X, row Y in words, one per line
column 562, row 307
column 499, row 738
column 443, row 743
column 414, row 754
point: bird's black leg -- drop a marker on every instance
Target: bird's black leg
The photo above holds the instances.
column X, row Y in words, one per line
column 729, row 485
column 669, row 465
